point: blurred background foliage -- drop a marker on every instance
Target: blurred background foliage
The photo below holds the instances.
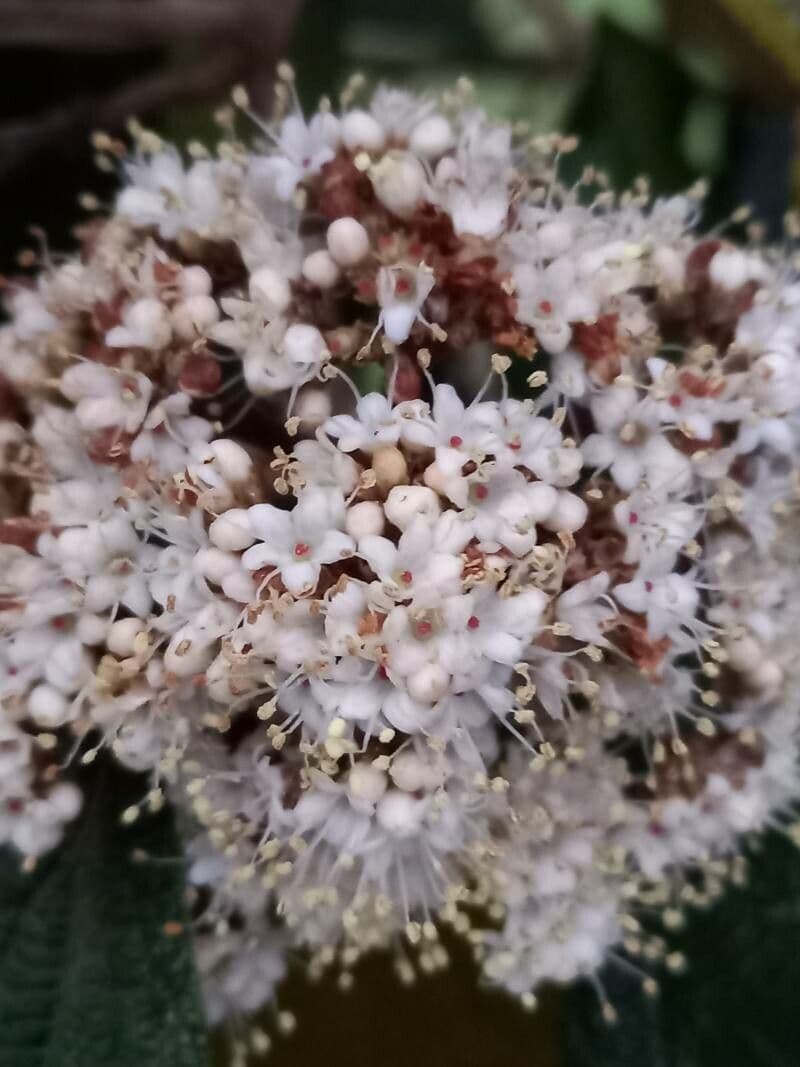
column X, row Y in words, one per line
column 671, row 88
column 675, row 89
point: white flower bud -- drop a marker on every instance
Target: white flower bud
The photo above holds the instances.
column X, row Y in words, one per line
column 410, row 773
column 766, row 676
column 390, row 467
column 360, row 130
column 313, row 407
column 366, row 782
column 728, row 268
column 554, row 238
column 669, row 267
column 348, row 241
column 214, row 564
column 146, row 325
column 91, row 629
column 405, row 502
column 399, row 183
column 238, row 585
column 542, row 499
column 400, row 814
column 432, row 137
column 304, row 345
column 66, row 799
column 195, row 281
column 364, row 519
column 122, row 636
column 48, row 707
column 231, row 531
column 186, row 654
column 321, row 269
column 744, row 654
column 429, row 684
column 268, row 287
column 194, row 316
column 233, row 461
column 569, row 514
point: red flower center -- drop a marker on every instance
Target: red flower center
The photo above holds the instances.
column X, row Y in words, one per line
column 633, row 518
column 424, row 629
column 546, row 307
column 456, row 441
column 473, row 622
column 301, row 549
column 406, row 577
column 481, row 491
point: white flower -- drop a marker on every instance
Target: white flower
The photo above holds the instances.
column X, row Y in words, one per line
column 585, row 608
column 628, row 444
column 145, row 324
column 402, row 291
column 105, row 397
column 375, row 424
column 163, row 194
column 301, row 149
column 551, row 298
column 298, row 542
column 669, row 601
column 473, row 186
column 425, row 562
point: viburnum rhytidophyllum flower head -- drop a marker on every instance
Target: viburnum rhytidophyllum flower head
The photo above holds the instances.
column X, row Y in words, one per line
column 503, row 641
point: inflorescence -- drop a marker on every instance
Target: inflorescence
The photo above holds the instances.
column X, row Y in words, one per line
column 506, row 645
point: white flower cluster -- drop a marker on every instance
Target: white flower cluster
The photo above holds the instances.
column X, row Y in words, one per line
column 511, row 659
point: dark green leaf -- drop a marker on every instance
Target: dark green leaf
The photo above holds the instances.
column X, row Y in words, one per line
column 368, row 377
column 631, row 112
column 736, row 1005
column 88, row 974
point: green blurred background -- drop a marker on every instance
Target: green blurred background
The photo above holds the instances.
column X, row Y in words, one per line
column 671, row 88
column 676, row 89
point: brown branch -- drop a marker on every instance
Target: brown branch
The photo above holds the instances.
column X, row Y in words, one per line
column 20, row 141
column 107, row 25
column 253, row 36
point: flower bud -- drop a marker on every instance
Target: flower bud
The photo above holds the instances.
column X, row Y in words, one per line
column 390, row 467
column 313, row 407
column 364, row 519
column 568, row 515
column 268, row 287
column 366, row 782
column 48, row 707
column 195, row 281
column 122, row 636
column 348, row 241
column 194, row 316
column 412, row 774
column 360, row 130
column 233, row 461
column 405, row 502
column 428, row 684
column 400, row 814
column 186, row 654
column 321, row 269
column 729, row 268
column 432, row 137
column 399, row 183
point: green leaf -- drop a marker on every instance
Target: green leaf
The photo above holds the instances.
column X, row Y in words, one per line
column 88, row 974
column 368, row 377
column 631, row 112
column 737, row 1003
